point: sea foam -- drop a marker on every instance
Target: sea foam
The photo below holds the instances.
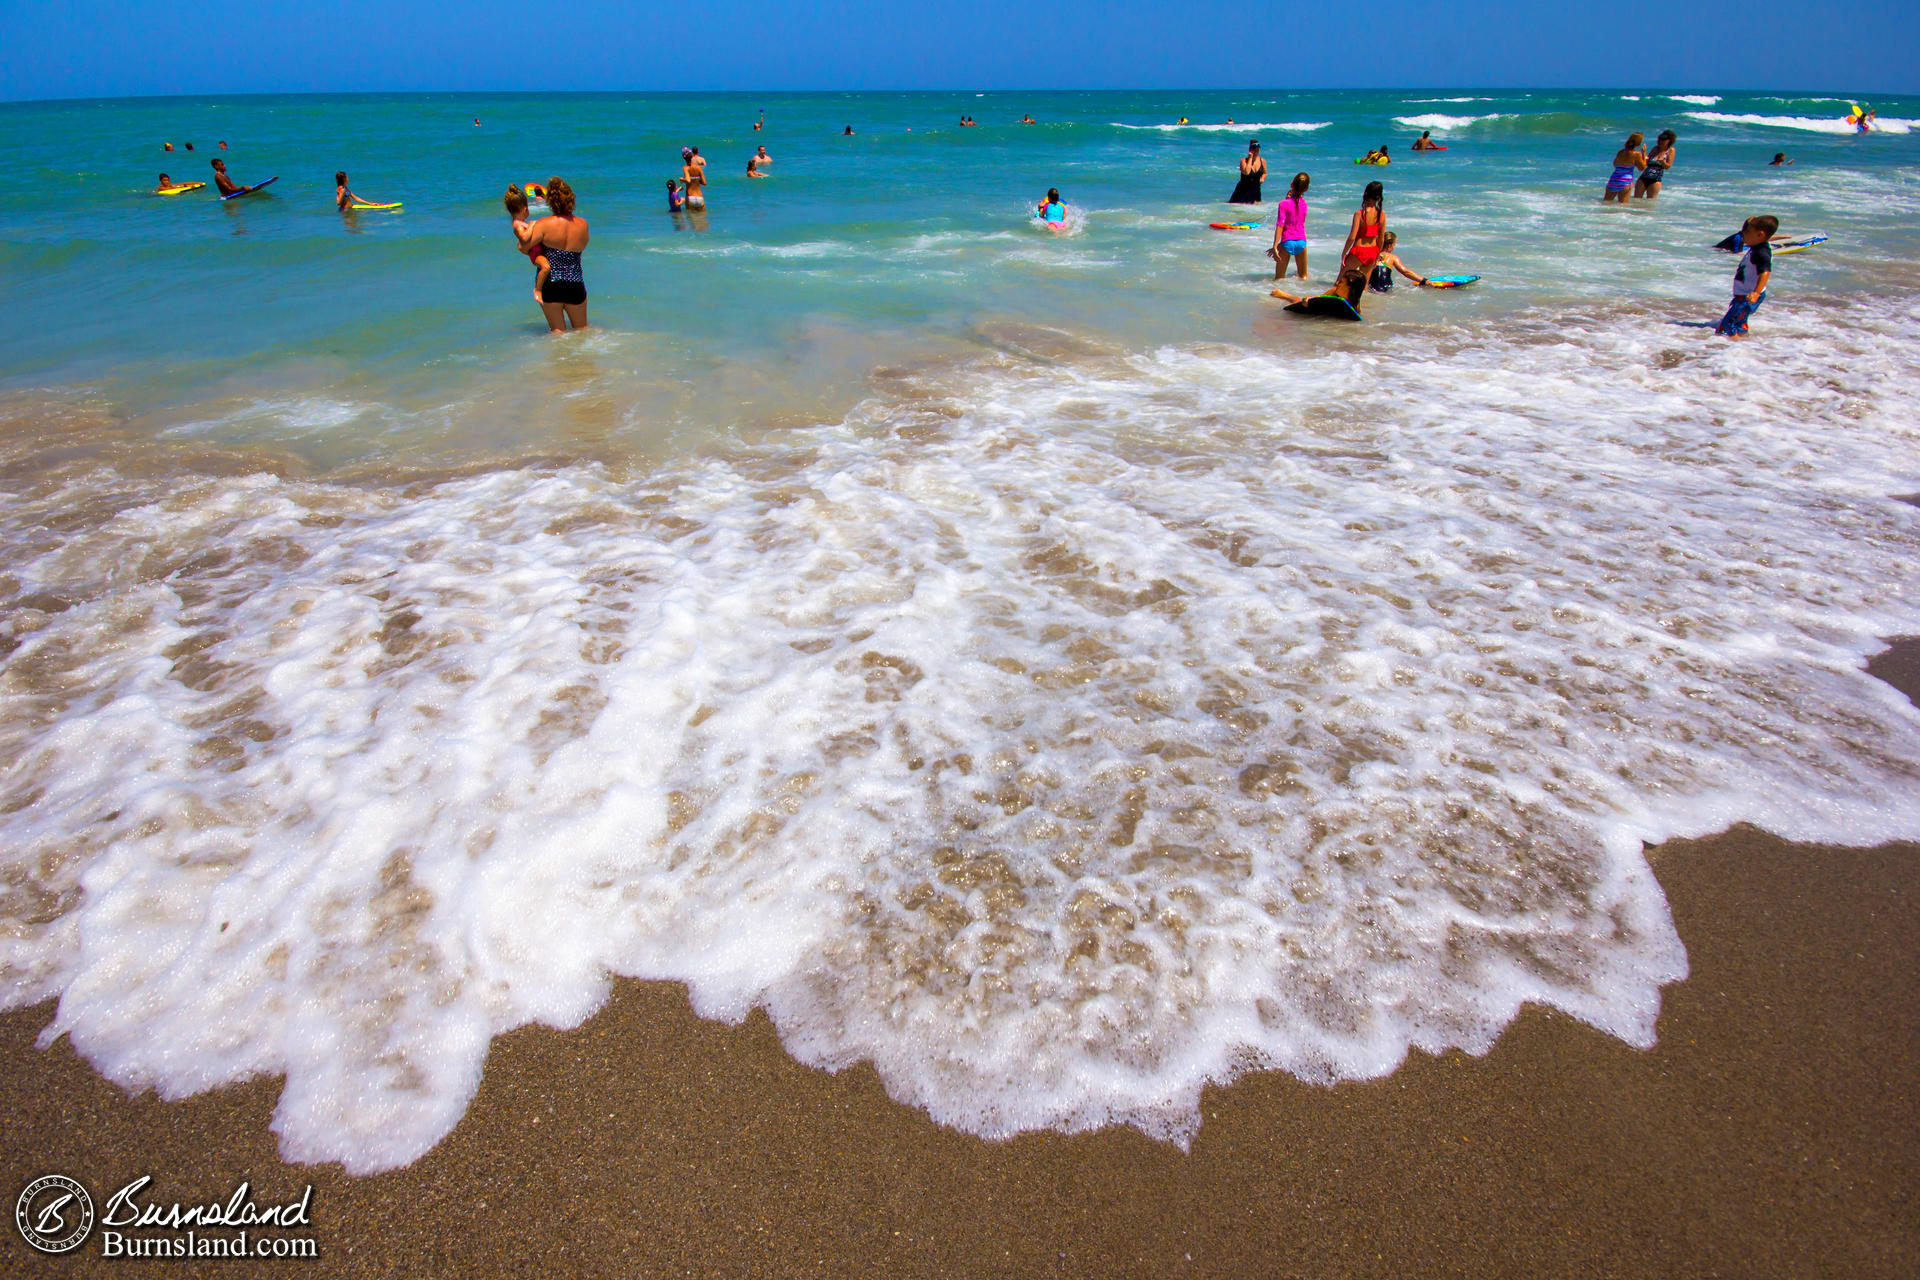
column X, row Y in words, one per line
column 1057, row 735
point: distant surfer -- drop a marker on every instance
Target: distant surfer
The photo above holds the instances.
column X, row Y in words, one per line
column 1290, row 229
column 1627, row 163
column 1659, row 160
column 564, row 238
column 1253, row 171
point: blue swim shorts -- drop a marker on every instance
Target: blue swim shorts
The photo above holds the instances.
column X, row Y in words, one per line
column 1293, row 246
column 1739, row 311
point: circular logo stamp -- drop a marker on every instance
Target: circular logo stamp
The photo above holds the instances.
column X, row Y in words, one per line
column 54, row 1214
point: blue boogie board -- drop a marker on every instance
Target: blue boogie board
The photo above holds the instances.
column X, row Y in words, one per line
column 1325, row 308
column 1451, row 282
column 247, row 191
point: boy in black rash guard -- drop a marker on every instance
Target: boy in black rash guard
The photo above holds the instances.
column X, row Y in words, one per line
column 1750, row 281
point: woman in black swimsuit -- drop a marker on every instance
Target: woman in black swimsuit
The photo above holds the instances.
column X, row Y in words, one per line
column 563, row 299
column 1253, row 170
column 1659, row 160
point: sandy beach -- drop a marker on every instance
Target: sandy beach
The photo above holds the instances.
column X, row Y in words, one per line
column 1774, row 1131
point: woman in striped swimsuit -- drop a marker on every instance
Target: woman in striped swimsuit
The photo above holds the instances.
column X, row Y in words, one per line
column 563, row 299
column 1627, row 163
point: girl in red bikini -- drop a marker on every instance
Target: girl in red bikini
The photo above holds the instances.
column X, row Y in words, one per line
column 1362, row 249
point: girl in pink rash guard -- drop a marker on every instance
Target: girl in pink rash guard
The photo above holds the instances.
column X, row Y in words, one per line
column 1290, row 229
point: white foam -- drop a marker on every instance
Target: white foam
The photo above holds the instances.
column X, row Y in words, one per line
column 1250, row 126
column 1058, row 736
column 1435, row 120
column 1810, row 124
column 1697, row 99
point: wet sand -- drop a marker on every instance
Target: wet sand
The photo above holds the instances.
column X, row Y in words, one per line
column 1774, row 1131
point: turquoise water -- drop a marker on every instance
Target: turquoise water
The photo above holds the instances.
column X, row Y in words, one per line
column 1034, row 664
column 893, row 244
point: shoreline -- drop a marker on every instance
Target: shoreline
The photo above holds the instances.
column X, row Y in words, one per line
column 1772, row 1131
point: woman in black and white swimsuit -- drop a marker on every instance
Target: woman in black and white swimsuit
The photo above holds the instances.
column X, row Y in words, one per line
column 1659, row 160
column 563, row 299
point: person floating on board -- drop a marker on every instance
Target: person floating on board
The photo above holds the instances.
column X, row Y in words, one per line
column 1377, row 156
column 516, row 202
column 1627, row 163
column 1253, row 171
column 166, row 146
column 1424, row 142
column 1750, row 280
column 1381, row 281
column 1350, row 288
column 1050, row 209
column 1290, row 229
column 342, row 194
column 1182, row 120
column 225, row 184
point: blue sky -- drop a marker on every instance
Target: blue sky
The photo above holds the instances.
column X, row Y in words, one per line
column 111, row 48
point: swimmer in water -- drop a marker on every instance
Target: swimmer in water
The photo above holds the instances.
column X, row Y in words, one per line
column 563, row 237
column 1779, row 157
column 1627, row 162
column 166, row 146
column 1659, row 160
column 762, row 156
column 1351, row 287
column 1028, row 120
column 675, row 201
column 1290, row 229
column 694, row 174
column 847, row 132
column 1362, row 248
column 1051, row 210
column 753, row 167
column 1182, row 120
column 1425, row 141
column 225, row 184
column 223, row 145
column 1381, row 281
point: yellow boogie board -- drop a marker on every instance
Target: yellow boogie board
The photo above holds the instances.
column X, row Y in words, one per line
column 179, row 187
column 363, row 204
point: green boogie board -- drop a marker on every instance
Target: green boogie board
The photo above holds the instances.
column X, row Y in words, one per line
column 1325, row 308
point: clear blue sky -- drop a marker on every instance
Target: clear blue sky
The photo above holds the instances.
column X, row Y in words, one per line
column 112, row 48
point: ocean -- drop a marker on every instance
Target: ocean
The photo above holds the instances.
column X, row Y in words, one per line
column 1031, row 663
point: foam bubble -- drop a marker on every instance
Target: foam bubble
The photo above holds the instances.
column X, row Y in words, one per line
column 1435, row 120
column 1058, row 734
column 1810, row 124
